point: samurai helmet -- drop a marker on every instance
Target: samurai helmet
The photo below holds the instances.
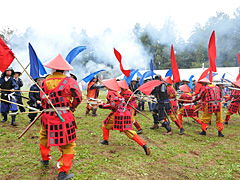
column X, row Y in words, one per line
column 168, row 80
column 111, row 84
column 123, row 84
column 59, row 63
column 185, row 88
column 204, row 80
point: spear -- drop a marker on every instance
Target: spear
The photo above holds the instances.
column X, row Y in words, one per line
column 18, row 90
column 18, row 113
column 139, row 112
column 31, row 108
column 41, row 91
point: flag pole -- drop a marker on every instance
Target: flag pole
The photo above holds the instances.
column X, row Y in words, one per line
column 40, row 90
column 23, row 70
column 30, row 125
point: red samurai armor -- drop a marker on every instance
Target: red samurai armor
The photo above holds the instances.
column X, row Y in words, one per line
column 122, row 117
column 235, row 104
column 213, row 98
column 60, row 133
column 172, row 98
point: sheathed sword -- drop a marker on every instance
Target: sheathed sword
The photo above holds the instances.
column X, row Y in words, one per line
column 166, row 115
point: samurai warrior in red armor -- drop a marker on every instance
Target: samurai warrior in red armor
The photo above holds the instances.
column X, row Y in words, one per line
column 188, row 109
column 234, row 107
column 120, row 118
column 128, row 96
column 92, row 95
column 211, row 96
column 65, row 95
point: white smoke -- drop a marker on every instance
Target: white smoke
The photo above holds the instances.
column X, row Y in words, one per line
column 98, row 55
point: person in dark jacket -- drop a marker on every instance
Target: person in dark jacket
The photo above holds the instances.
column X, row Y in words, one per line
column 35, row 100
column 7, row 82
column 18, row 94
column 162, row 106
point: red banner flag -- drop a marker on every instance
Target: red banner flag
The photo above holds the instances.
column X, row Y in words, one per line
column 203, row 75
column 175, row 72
column 147, row 87
column 6, row 56
column 212, row 52
column 238, row 77
column 119, row 58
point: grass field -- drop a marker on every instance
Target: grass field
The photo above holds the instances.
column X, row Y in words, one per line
column 189, row 156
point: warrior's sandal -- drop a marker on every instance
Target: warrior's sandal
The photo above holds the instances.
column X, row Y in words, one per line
column 169, row 133
column 140, row 131
column 146, row 149
column 45, row 163
column 104, row 142
column 64, row 176
column 181, row 131
column 14, row 124
column 203, row 133
column 220, row 134
column 155, row 126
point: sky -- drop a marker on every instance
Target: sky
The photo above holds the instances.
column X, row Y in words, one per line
column 60, row 17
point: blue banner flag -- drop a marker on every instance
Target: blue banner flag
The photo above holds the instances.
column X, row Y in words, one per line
column 74, row 52
column 151, row 67
column 169, row 73
column 36, row 67
column 213, row 73
column 129, row 79
column 139, row 74
column 223, row 77
column 90, row 76
column 145, row 75
column 190, row 84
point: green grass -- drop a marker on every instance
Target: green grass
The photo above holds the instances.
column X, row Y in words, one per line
column 189, row 156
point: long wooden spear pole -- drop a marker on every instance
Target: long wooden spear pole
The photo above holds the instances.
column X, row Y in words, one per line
column 18, row 90
column 139, row 112
column 25, row 68
column 10, row 102
column 30, row 125
column 41, row 90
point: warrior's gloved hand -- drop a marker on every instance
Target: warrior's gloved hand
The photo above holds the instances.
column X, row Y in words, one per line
column 72, row 109
column 100, row 105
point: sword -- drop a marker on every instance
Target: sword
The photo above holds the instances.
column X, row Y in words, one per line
column 139, row 112
column 166, row 116
column 186, row 113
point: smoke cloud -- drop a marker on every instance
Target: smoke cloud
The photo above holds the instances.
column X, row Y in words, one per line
column 98, row 55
